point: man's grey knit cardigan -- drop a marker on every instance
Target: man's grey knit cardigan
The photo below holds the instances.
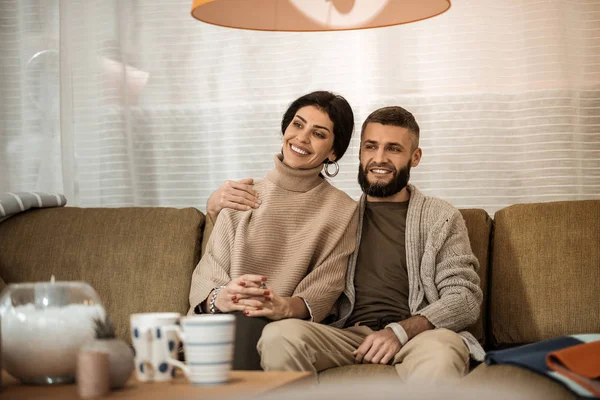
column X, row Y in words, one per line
column 443, row 282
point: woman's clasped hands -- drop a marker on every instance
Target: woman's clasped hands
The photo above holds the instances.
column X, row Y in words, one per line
column 251, row 295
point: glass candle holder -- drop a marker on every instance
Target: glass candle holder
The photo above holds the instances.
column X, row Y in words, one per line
column 43, row 326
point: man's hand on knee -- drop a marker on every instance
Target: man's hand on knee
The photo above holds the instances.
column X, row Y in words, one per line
column 378, row 348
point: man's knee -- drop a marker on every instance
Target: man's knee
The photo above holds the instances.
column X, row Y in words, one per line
column 439, row 354
column 441, row 337
column 442, row 346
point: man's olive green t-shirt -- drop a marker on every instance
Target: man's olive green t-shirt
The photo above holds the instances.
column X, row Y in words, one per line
column 381, row 277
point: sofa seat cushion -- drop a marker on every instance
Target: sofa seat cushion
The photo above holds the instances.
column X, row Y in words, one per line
column 483, row 382
column 394, row 389
column 545, row 272
column 137, row 259
column 506, row 375
column 352, row 372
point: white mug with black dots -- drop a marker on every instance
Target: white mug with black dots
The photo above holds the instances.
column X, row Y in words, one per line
column 152, row 347
column 208, row 342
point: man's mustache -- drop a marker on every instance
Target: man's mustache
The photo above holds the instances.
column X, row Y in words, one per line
column 382, row 165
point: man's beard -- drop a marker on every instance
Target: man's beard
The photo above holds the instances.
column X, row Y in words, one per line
column 379, row 189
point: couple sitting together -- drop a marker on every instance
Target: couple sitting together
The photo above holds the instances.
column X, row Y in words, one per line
column 317, row 281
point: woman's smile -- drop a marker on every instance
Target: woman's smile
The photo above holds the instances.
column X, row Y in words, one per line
column 301, row 151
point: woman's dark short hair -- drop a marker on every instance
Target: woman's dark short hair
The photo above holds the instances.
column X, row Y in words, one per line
column 338, row 110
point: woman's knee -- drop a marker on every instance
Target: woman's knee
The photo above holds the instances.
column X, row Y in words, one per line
column 285, row 332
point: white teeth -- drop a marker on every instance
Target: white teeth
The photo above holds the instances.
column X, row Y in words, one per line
column 380, row 171
column 298, row 150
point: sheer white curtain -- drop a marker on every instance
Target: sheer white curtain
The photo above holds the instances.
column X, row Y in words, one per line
column 136, row 103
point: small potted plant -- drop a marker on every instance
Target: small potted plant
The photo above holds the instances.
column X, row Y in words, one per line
column 120, row 355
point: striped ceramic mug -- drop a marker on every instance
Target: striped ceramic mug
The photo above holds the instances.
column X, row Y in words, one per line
column 208, row 342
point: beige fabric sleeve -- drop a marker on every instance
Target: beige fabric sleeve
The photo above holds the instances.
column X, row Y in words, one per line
column 213, row 269
column 325, row 282
column 456, row 279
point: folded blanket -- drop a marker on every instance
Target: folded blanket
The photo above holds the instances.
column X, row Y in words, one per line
column 533, row 357
column 580, row 363
column 13, row 203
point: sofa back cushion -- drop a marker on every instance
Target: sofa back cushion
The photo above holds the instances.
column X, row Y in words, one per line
column 545, row 271
column 137, row 259
column 479, row 225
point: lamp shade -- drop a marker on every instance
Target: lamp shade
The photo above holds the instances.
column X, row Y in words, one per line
column 314, row 15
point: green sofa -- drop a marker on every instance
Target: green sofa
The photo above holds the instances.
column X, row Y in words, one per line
column 540, row 270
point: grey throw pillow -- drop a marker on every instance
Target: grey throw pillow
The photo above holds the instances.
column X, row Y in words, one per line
column 13, row 203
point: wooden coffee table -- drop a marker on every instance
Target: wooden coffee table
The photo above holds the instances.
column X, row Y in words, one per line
column 246, row 383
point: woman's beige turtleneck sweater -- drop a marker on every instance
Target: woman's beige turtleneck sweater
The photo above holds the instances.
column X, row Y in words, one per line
column 300, row 238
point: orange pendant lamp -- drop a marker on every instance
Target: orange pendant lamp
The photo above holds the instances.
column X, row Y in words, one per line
column 314, row 15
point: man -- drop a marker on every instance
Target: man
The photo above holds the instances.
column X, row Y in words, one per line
column 412, row 286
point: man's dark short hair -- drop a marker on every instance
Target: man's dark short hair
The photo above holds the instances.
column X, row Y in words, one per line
column 396, row 116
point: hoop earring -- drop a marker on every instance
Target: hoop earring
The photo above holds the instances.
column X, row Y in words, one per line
column 337, row 169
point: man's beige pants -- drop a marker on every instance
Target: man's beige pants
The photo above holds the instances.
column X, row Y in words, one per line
column 296, row 345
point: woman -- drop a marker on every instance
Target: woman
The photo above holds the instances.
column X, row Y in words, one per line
column 288, row 257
